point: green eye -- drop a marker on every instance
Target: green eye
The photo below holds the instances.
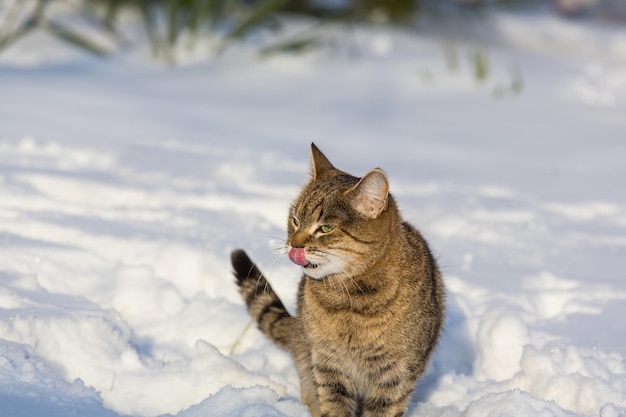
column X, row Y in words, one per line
column 325, row 228
column 295, row 221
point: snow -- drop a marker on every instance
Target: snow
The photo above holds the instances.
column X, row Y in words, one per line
column 124, row 185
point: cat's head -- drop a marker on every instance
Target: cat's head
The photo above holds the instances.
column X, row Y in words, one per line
column 338, row 222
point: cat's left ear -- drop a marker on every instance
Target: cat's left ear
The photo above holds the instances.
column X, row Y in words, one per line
column 320, row 163
column 369, row 197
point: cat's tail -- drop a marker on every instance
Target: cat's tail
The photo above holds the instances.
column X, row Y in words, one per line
column 263, row 304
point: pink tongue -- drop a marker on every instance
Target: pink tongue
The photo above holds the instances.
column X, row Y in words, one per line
column 297, row 256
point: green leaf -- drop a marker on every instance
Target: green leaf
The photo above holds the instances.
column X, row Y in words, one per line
column 300, row 45
column 173, row 12
column 75, row 39
column 111, row 12
column 30, row 23
column 261, row 12
column 481, row 65
column 150, row 19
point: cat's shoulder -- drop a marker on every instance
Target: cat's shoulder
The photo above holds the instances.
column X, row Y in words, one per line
column 417, row 244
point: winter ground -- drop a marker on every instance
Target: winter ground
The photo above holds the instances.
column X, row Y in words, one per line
column 124, row 185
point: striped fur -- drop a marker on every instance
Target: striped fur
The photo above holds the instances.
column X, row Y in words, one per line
column 263, row 304
column 370, row 303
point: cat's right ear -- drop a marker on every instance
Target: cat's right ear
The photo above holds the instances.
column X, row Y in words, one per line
column 320, row 163
column 370, row 196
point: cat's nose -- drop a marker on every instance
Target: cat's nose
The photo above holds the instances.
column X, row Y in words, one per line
column 298, row 256
column 299, row 239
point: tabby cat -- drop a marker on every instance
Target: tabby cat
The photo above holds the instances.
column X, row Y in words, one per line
column 370, row 303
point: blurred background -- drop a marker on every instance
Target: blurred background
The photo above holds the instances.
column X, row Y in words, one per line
column 209, row 27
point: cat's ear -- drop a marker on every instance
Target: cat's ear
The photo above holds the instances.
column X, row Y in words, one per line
column 369, row 196
column 320, row 163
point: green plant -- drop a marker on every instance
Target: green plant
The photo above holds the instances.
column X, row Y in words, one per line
column 174, row 27
column 480, row 61
column 22, row 18
column 235, row 345
column 164, row 21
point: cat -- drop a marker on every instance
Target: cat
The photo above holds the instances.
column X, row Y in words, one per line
column 370, row 303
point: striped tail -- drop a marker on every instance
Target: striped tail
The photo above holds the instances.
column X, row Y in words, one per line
column 263, row 304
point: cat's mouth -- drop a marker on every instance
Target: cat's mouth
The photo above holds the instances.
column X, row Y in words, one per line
column 298, row 257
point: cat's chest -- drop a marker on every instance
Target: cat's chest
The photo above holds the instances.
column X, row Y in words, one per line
column 343, row 329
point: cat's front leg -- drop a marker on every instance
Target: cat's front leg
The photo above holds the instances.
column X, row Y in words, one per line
column 384, row 407
column 335, row 395
column 389, row 399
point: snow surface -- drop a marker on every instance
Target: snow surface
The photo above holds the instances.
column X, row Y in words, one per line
column 124, row 185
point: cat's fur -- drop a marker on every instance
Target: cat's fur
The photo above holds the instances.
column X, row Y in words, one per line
column 370, row 304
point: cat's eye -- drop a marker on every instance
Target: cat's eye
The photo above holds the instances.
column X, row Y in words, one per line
column 326, row 228
column 295, row 221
